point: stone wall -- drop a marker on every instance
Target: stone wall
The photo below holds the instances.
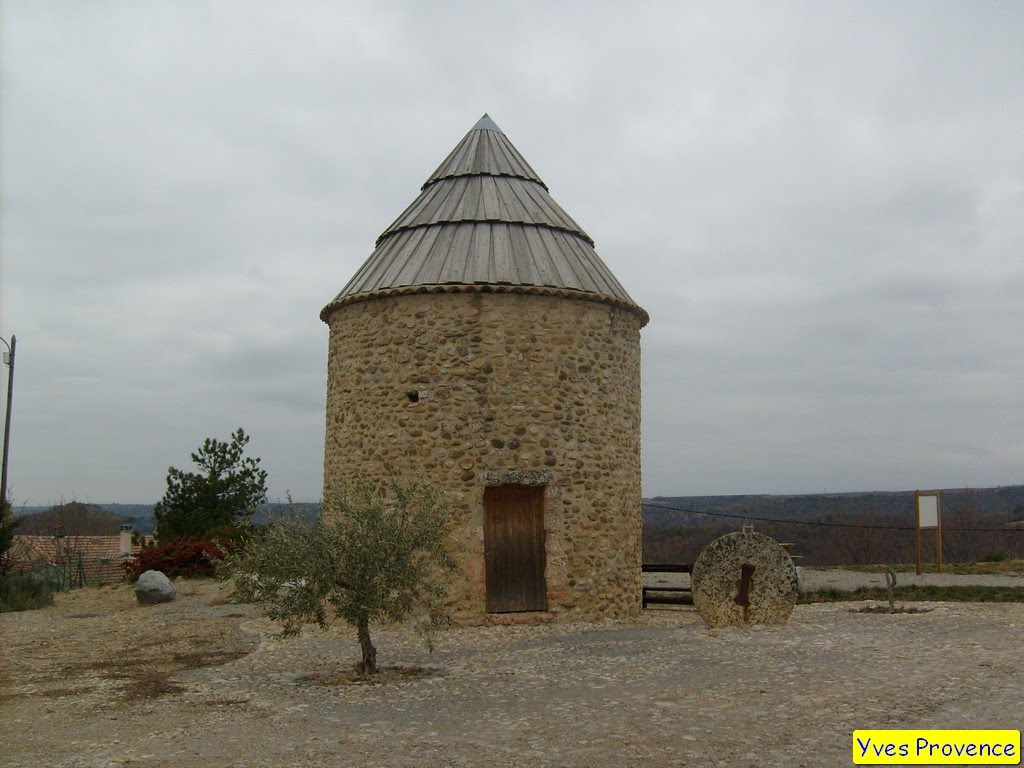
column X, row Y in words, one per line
column 474, row 389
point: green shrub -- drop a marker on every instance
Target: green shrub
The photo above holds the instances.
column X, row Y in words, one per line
column 24, row 592
column 996, row 556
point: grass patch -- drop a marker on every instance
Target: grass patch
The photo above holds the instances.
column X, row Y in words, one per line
column 112, row 667
column 198, row 659
column 225, row 702
column 887, row 610
column 150, row 678
column 1010, row 566
column 141, row 684
column 997, row 556
column 139, row 678
column 920, row 593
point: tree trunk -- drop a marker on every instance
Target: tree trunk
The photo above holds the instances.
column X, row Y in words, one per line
column 368, row 666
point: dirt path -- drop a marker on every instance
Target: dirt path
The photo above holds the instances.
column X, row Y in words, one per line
column 660, row 691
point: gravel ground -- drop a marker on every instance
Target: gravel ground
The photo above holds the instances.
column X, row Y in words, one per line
column 825, row 578
column 97, row 681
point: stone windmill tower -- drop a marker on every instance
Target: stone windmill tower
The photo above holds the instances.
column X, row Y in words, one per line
column 485, row 346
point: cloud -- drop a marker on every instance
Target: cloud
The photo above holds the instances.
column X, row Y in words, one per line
column 820, row 210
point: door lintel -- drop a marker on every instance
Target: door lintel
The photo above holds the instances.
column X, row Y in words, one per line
column 532, row 477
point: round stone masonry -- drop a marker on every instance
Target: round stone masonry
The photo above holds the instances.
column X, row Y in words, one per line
column 469, row 391
column 744, row 578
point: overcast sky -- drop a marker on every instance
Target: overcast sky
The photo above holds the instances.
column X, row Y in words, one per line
column 820, row 205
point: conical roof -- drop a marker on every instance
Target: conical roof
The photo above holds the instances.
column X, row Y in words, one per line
column 484, row 221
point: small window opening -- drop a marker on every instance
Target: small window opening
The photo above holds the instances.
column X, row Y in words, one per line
column 413, row 395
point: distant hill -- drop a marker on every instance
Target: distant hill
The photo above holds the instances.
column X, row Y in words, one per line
column 983, row 502
column 839, row 528
column 71, row 519
column 140, row 516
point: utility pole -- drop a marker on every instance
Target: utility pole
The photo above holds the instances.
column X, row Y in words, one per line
column 9, row 360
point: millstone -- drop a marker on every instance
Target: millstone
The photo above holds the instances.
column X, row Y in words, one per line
column 744, row 578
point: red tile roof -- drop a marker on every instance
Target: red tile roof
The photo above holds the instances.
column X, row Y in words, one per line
column 102, row 559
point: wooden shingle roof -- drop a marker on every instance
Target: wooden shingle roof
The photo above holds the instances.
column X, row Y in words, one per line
column 484, row 221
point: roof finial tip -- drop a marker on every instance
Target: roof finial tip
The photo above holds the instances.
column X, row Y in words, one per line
column 486, row 124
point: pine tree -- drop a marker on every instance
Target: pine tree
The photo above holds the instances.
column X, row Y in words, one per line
column 229, row 487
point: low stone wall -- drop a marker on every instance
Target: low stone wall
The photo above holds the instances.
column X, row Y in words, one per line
column 468, row 390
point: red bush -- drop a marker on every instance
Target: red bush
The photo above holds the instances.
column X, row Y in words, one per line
column 180, row 557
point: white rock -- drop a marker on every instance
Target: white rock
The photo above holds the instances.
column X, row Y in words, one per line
column 154, row 587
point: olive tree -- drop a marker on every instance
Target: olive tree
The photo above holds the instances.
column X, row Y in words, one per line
column 228, row 487
column 369, row 557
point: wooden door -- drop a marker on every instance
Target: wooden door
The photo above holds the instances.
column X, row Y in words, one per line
column 514, row 548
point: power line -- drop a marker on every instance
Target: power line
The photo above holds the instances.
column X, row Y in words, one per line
column 659, row 505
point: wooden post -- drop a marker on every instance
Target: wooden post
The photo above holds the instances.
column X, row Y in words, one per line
column 7, row 419
column 917, row 535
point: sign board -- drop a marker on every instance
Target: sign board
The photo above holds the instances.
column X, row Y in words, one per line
column 928, row 510
column 928, row 517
